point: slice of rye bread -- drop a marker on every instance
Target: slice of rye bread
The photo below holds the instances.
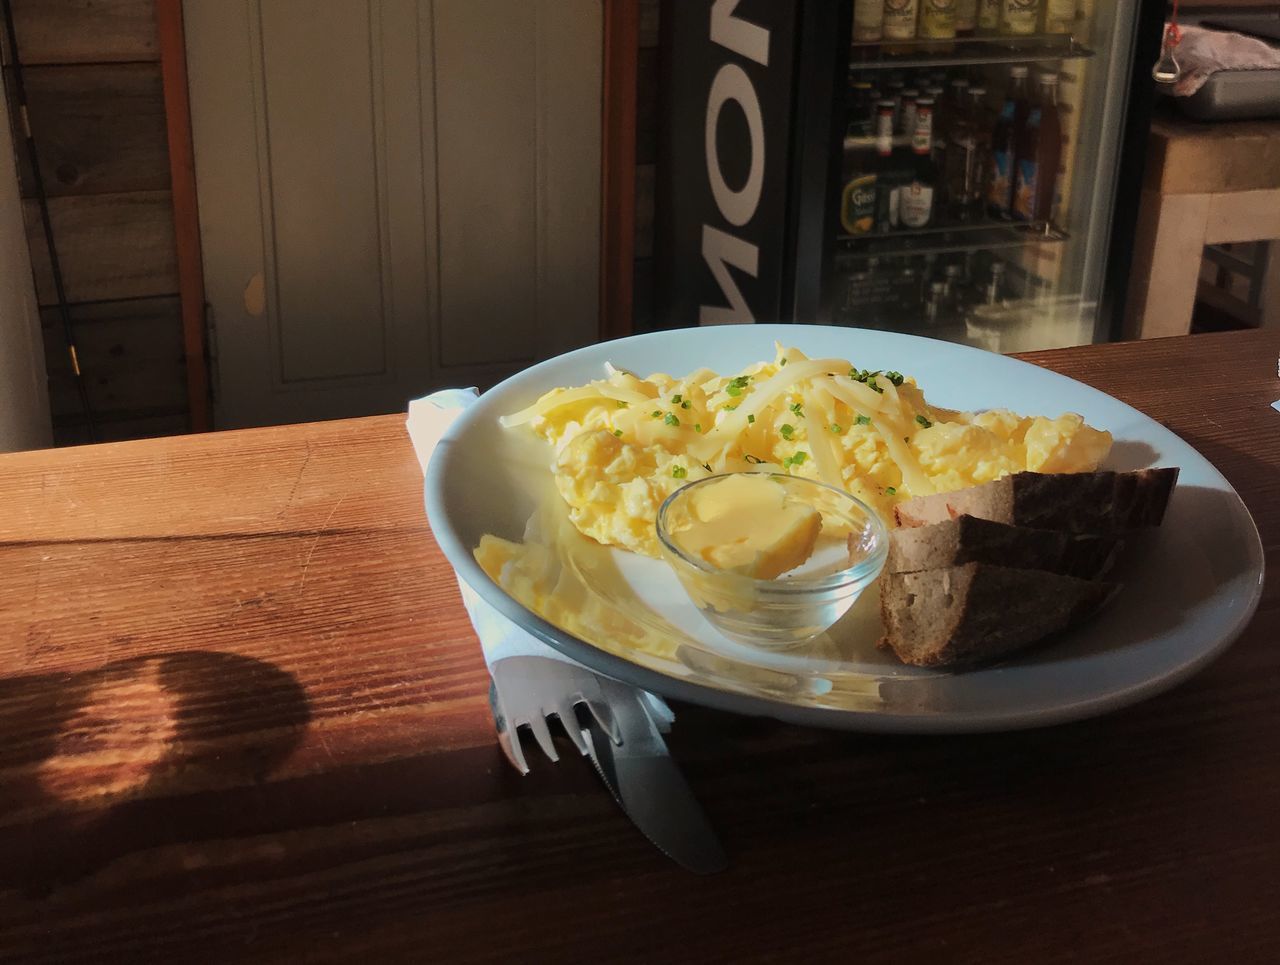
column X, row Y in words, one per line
column 1081, row 502
column 968, row 614
column 969, row 539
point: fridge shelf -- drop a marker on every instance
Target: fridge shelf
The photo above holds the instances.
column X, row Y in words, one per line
column 947, row 239
column 963, row 51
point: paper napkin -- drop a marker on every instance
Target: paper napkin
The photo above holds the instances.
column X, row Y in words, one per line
column 428, row 420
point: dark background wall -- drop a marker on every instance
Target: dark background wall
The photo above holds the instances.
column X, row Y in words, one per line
column 647, row 107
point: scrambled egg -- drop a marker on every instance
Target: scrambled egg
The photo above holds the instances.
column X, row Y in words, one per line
column 623, row 444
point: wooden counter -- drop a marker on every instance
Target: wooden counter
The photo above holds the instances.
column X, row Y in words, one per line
column 243, row 718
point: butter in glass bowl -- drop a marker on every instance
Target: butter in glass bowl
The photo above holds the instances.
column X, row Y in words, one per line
column 771, row 559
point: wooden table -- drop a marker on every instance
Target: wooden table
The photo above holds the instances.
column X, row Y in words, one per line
column 1204, row 184
column 243, row 718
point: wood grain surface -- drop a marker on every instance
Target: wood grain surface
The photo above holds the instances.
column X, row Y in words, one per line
column 243, row 718
column 111, row 246
column 100, row 129
column 85, row 31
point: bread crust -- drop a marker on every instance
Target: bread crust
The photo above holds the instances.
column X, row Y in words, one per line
column 1086, row 502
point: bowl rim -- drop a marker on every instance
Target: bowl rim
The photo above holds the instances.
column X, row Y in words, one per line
column 863, row 572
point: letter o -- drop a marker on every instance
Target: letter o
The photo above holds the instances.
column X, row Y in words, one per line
column 731, row 83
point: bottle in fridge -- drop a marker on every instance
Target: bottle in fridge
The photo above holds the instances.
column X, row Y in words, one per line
column 1058, row 17
column 1019, row 18
column 900, row 19
column 968, row 157
column 1004, row 144
column 916, row 200
column 988, row 18
column 888, row 178
column 1039, row 154
column 868, row 20
column 937, row 19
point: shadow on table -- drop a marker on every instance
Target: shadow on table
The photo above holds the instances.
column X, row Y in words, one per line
column 83, row 754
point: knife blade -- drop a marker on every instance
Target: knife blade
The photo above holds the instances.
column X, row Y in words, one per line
column 642, row 777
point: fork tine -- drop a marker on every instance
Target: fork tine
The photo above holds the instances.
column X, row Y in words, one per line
column 541, row 733
column 604, row 717
column 509, row 741
column 569, row 720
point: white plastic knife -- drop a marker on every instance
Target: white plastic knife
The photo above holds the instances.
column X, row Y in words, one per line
column 648, row 785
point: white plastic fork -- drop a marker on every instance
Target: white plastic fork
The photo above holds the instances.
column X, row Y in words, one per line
column 525, row 691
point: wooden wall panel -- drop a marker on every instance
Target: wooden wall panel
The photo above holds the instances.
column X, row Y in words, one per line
column 100, row 129
column 96, row 108
column 85, row 31
column 131, row 354
column 110, row 246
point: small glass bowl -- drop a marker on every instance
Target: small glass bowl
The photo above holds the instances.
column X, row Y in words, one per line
column 782, row 613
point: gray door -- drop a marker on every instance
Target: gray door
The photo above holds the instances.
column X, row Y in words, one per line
column 395, row 195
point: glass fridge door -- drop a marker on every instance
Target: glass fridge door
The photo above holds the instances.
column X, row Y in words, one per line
column 977, row 178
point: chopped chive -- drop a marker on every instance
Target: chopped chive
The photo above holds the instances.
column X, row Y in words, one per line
column 890, row 491
column 782, row 363
column 679, row 472
column 621, row 404
column 896, row 378
column 671, row 419
column 753, row 460
column 787, row 430
column 697, row 427
column 685, row 404
column 836, row 428
column 750, row 419
column 733, row 390
column 730, row 408
column 675, row 399
column 617, row 432
column 799, row 458
column 656, row 413
column 797, row 409
column 923, row 421
column 864, row 420
column 871, row 384
column 707, row 467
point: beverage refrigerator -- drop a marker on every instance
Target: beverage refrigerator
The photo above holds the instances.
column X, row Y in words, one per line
column 889, row 166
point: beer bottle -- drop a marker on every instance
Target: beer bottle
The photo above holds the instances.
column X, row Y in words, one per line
column 1004, row 144
column 1059, row 16
column 862, row 110
column 969, row 157
column 858, row 197
column 893, row 91
column 1039, row 154
column 938, row 19
column 868, row 20
column 886, row 184
column 916, row 202
column 988, row 18
column 907, row 116
column 1019, row 17
column 900, row 19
